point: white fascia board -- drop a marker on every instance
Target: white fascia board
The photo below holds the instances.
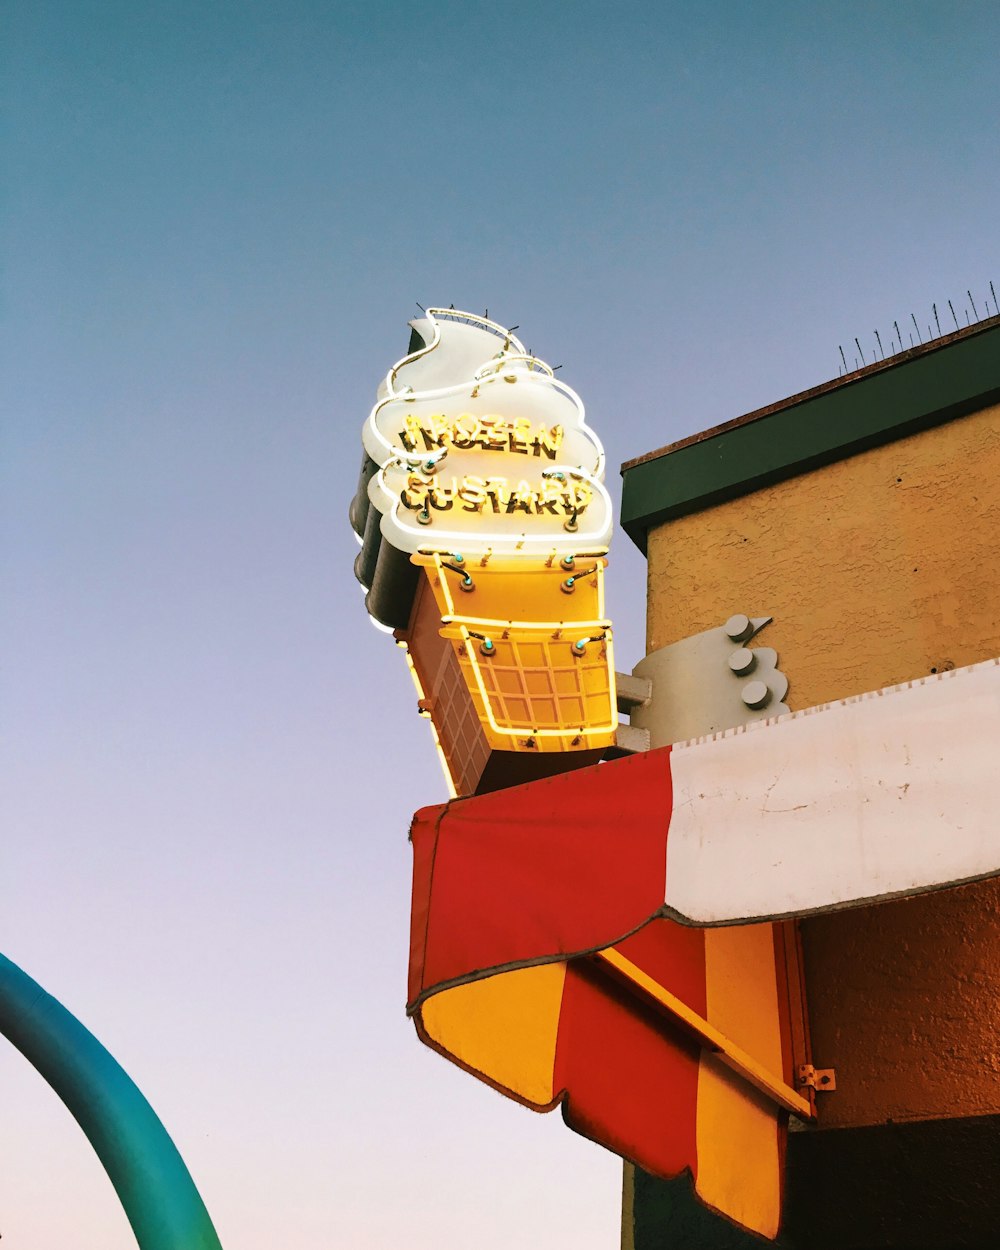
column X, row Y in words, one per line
column 884, row 795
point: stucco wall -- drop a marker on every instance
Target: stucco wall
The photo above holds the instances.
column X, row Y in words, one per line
column 877, row 569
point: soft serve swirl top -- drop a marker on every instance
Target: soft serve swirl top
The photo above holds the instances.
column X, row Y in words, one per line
column 480, row 448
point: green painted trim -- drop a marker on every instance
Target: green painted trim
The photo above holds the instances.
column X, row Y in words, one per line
column 155, row 1188
column 666, row 1215
column 885, row 403
column 918, row 1185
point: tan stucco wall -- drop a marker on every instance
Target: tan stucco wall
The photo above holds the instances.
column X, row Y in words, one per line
column 876, row 569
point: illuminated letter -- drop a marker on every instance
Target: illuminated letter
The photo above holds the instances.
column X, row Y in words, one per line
column 414, row 496
column 548, row 498
column 582, row 495
column 473, row 493
column 547, row 441
column 496, row 490
column 523, row 497
column 464, row 431
column 442, row 498
column 492, row 436
column 410, row 435
column 432, row 429
column 518, row 434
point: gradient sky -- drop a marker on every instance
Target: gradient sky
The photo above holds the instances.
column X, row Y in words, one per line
column 217, row 219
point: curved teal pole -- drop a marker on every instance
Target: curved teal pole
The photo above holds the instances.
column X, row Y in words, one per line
column 160, row 1199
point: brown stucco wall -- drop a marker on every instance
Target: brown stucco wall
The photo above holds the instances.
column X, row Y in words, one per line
column 877, row 569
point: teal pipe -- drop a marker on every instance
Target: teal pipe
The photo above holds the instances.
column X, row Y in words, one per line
column 160, row 1199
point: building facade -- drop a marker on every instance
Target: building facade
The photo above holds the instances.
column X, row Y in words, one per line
column 863, row 517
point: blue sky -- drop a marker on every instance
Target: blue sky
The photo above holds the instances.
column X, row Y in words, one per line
column 216, row 220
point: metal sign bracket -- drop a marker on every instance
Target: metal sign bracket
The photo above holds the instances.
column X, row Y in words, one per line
column 823, row 1080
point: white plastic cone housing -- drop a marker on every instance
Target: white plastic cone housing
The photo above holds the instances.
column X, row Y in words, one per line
column 480, row 448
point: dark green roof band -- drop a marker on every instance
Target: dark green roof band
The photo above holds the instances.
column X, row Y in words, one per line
column 928, row 386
